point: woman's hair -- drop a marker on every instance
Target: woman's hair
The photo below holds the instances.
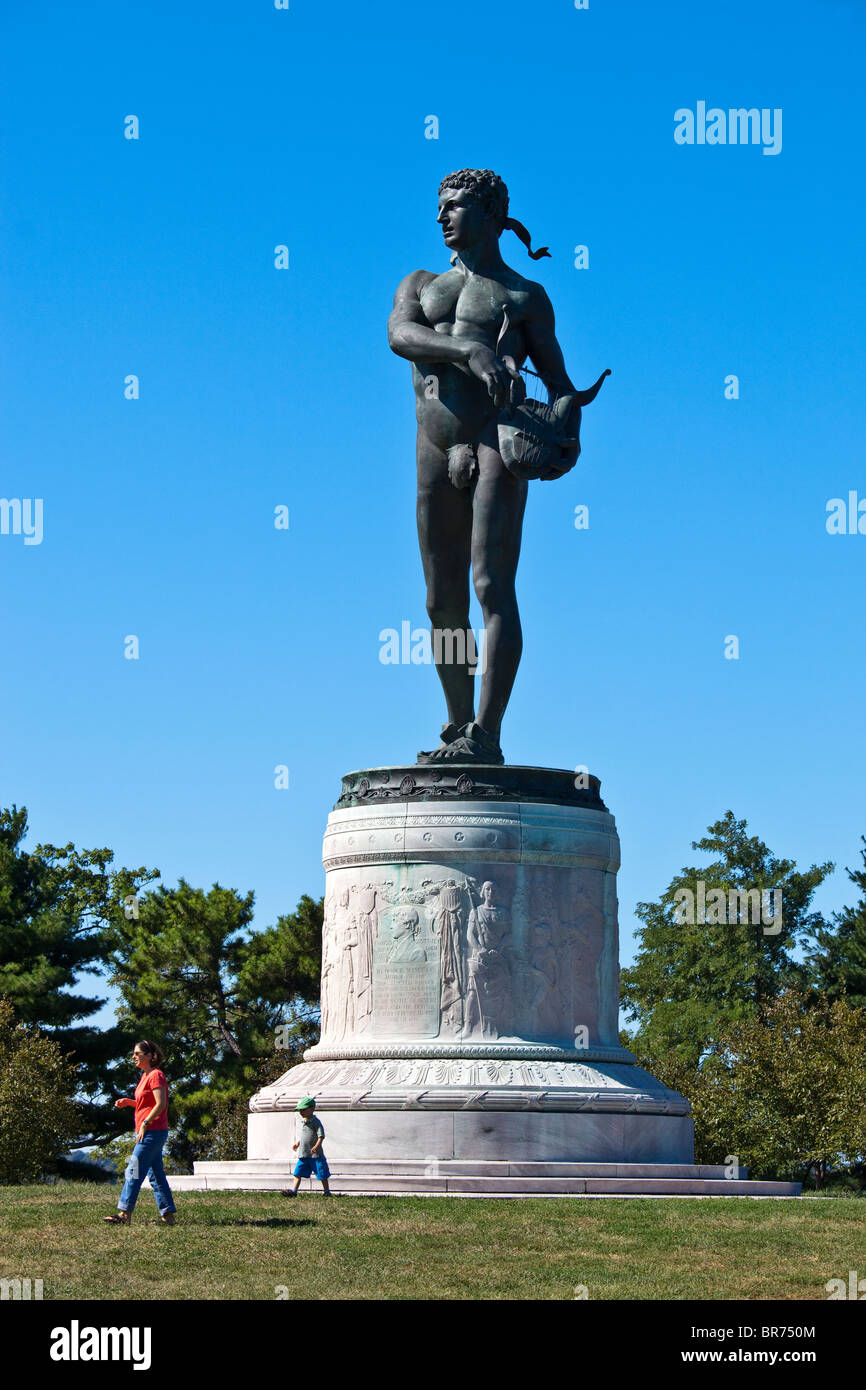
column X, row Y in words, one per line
column 152, row 1051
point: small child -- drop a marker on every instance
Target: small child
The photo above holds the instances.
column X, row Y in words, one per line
column 311, row 1158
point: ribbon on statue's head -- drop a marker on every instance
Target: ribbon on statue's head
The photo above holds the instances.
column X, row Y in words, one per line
column 512, row 225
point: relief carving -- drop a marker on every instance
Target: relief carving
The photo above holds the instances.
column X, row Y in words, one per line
column 531, row 1078
column 489, row 989
column 447, row 923
column 365, row 921
column 446, row 958
column 405, row 928
column 330, row 964
column 540, row 984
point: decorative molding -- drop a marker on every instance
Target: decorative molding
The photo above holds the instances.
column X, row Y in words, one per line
column 465, row 1084
column 468, row 781
column 516, row 1052
column 488, row 1100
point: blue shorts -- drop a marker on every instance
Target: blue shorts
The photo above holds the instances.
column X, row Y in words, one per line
column 306, row 1167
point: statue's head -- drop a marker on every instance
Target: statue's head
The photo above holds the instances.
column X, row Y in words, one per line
column 473, row 203
column 473, row 208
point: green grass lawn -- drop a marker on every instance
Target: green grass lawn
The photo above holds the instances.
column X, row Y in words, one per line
column 242, row 1245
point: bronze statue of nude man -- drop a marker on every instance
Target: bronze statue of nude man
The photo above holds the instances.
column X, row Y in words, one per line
column 466, row 333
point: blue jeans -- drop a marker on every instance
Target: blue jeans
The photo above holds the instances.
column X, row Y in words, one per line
column 147, row 1158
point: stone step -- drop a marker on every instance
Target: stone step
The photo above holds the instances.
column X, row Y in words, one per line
column 540, row 1187
column 486, row 1168
column 656, row 1180
column 476, row 1168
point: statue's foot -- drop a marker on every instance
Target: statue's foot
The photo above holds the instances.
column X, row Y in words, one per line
column 474, row 745
column 449, row 733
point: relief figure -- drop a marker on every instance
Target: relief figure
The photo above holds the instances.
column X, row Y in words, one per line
column 447, row 923
column 367, row 925
column 547, row 1001
column 489, row 994
column 404, row 938
column 330, row 970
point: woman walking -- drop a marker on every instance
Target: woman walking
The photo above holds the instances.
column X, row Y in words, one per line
column 151, row 1132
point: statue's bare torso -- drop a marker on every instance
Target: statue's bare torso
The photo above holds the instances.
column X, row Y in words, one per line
column 453, row 406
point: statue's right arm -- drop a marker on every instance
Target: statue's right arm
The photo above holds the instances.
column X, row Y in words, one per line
column 410, row 336
column 409, row 333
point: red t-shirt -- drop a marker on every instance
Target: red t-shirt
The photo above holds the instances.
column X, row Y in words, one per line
column 145, row 1099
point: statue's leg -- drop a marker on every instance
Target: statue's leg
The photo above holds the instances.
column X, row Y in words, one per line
column 498, row 506
column 444, row 533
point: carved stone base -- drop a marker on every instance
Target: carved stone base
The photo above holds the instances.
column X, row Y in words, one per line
column 470, row 980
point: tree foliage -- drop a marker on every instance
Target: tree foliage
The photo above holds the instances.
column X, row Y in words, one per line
column 193, row 979
column 691, row 981
column 839, row 955
column 58, row 906
column 226, row 1140
column 38, row 1113
column 786, row 1090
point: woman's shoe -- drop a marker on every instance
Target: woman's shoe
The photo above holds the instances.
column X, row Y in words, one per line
column 168, row 1219
column 119, row 1218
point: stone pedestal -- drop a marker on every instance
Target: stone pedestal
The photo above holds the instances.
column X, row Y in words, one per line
column 470, row 981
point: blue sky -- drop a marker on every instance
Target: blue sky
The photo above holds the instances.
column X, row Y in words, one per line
column 261, row 387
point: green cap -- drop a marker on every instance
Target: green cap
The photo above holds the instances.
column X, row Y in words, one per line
column 305, row 1102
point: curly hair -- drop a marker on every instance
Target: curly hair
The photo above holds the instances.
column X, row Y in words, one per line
column 484, row 185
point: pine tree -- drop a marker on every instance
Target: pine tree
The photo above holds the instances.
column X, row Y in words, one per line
column 839, row 962
column 57, row 906
column 693, row 979
column 213, row 995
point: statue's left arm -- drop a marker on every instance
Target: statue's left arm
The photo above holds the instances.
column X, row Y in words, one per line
column 542, row 346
